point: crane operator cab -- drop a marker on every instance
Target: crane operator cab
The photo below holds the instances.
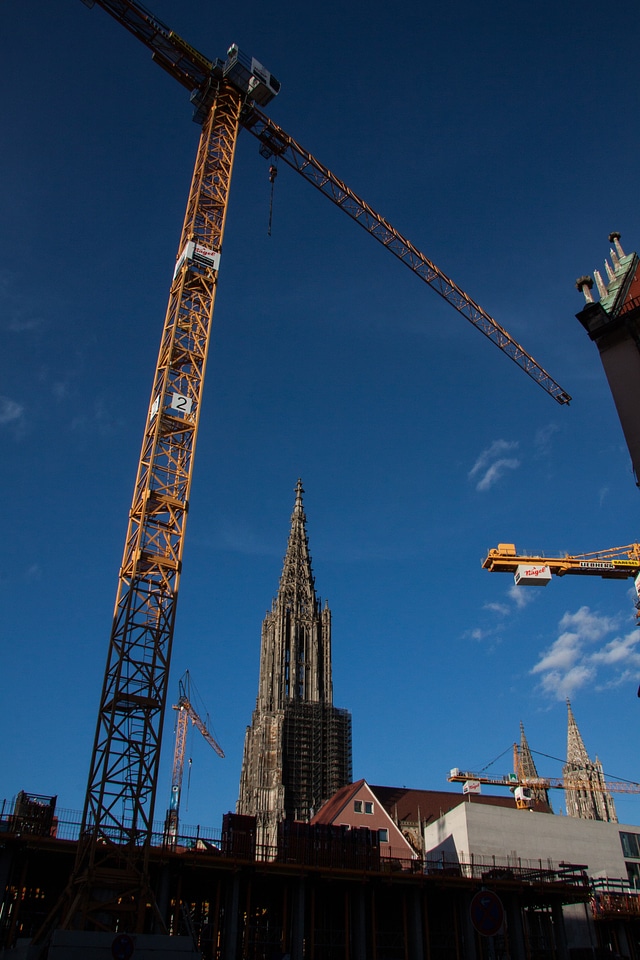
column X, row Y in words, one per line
column 245, row 73
column 248, row 74
column 523, row 798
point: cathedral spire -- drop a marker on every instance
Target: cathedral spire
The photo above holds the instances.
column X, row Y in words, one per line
column 297, row 586
column 586, row 793
column 576, row 751
column 297, row 751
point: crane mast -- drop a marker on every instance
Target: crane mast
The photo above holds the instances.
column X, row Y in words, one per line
column 123, row 775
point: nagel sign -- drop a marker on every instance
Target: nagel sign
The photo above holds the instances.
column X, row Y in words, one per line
column 532, row 573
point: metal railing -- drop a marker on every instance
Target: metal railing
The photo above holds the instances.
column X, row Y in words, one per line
column 198, row 839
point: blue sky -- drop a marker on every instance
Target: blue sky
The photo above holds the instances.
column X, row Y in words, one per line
column 502, row 140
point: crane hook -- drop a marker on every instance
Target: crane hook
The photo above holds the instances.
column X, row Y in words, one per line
column 273, row 173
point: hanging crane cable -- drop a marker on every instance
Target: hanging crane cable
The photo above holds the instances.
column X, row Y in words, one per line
column 273, row 173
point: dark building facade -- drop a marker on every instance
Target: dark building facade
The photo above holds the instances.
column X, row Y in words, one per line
column 297, row 751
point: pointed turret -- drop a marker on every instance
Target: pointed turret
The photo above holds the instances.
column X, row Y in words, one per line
column 297, row 587
column 613, row 323
column 527, row 768
column 577, row 755
column 585, row 791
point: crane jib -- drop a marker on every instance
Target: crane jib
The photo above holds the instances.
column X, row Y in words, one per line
column 275, row 142
column 258, row 86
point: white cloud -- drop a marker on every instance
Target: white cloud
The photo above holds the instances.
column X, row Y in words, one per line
column 543, row 437
column 522, row 596
column 564, row 685
column 562, row 654
column 500, row 608
column 584, row 652
column 589, row 625
column 16, row 313
column 620, row 650
column 492, row 464
column 10, row 411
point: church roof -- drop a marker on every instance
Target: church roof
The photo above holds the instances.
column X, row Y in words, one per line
column 330, row 810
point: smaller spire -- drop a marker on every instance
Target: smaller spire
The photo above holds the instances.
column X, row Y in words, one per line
column 527, row 767
column 576, row 751
column 615, row 239
column 586, row 285
column 602, row 289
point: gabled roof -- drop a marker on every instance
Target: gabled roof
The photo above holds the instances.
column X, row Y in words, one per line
column 331, row 810
column 340, row 811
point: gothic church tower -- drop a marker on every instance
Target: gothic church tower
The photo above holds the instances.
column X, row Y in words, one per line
column 297, row 751
column 588, row 797
column 526, row 768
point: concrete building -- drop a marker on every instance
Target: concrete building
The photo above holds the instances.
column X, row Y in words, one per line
column 297, row 751
column 514, row 840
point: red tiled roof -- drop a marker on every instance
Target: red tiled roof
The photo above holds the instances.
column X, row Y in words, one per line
column 329, row 811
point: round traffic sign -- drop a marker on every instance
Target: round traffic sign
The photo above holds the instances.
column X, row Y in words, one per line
column 487, row 913
column 122, row 947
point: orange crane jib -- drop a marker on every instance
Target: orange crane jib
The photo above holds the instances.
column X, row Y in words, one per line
column 202, row 78
column 615, row 563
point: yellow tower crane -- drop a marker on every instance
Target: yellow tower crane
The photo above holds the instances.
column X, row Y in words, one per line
column 227, row 95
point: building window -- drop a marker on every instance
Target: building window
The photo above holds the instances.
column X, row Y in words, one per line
column 368, row 806
column 630, row 845
column 357, row 806
column 633, row 873
column 383, row 835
